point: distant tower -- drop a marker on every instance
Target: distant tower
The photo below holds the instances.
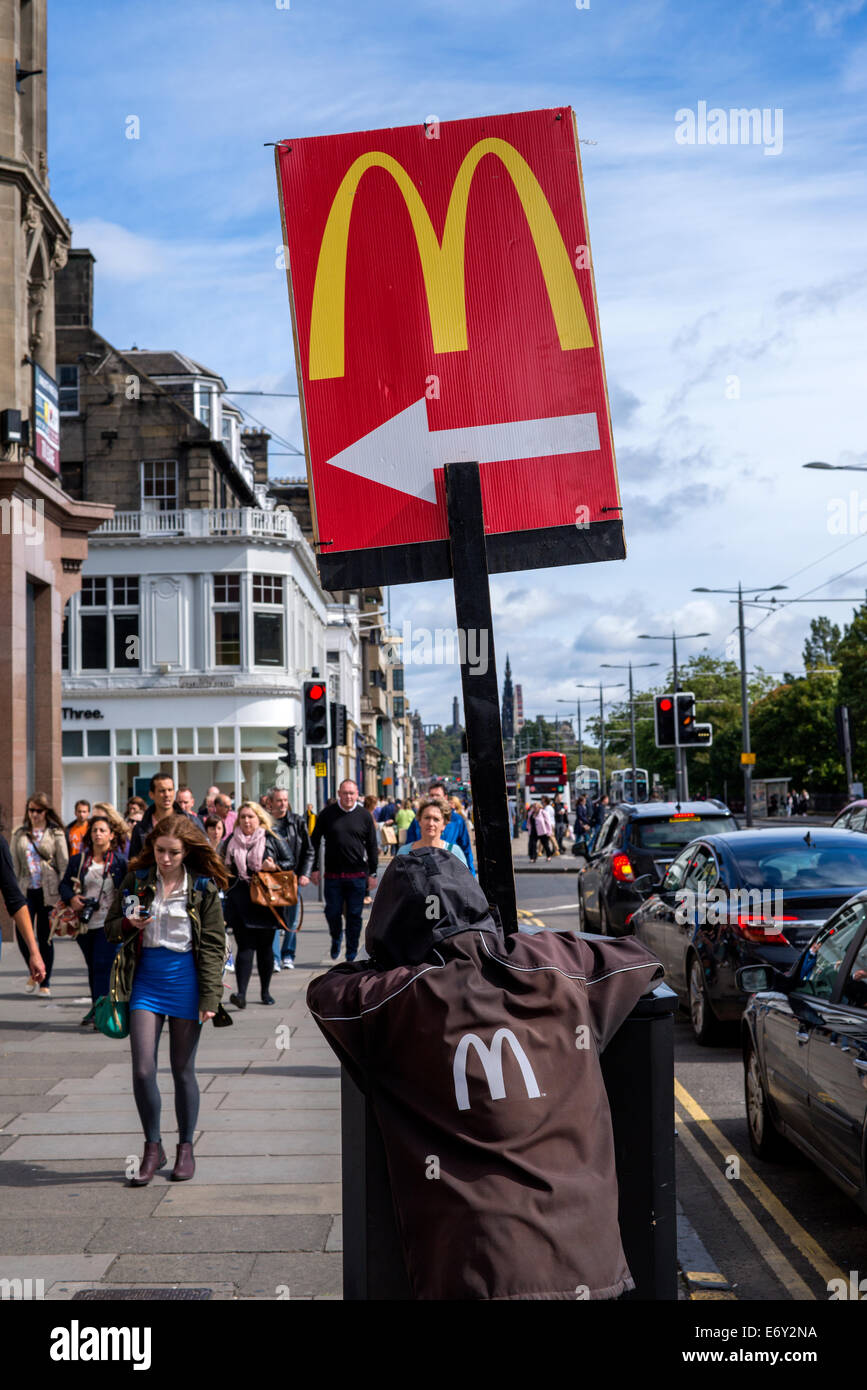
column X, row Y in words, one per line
column 508, row 707
column 456, row 716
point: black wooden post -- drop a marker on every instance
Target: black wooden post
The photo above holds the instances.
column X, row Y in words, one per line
column 479, row 684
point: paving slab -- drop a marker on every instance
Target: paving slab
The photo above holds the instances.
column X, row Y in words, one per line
column 290, row 1104
column 110, row 1196
column 12, row 1085
column 29, row 1104
column 72, row 1067
column 64, row 1290
column 51, row 1268
column 258, row 1169
column 249, row 1199
column 45, row 1235
column 304, row 1276
column 120, row 1120
column 36, row 1147
column 335, row 1236
column 163, row 1267
column 277, row 1118
column 279, row 1083
column 286, row 1141
column 189, row 1235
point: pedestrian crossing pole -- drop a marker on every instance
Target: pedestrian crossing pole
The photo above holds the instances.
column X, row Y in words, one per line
column 480, row 690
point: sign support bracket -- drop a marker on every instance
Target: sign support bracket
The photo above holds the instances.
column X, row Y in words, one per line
column 480, row 689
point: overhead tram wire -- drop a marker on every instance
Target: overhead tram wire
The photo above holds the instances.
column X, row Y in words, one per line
column 273, row 433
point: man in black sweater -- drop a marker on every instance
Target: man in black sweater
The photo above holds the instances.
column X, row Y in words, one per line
column 351, row 859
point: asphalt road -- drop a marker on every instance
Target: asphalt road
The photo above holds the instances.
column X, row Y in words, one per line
column 776, row 1231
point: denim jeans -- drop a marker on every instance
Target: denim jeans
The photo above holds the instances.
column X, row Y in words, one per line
column 288, row 935
column 345, row 897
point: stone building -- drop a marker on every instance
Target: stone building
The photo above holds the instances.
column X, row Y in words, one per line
column 200, row 613
column 383, row 740
column 43, row 531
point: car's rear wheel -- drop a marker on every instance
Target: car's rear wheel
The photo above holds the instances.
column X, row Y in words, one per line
column 765, row 1139
column 705, row 1024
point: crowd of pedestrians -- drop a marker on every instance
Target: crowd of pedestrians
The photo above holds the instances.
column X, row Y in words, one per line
column 149, row 895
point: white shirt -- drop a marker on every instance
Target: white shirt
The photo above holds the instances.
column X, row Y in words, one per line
column 169, row 925
column 97, row 884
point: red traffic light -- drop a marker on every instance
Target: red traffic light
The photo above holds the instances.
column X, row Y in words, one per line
column 316, row 692
column 665, row 704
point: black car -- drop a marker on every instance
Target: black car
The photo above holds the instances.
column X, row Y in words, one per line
column 638, row 842
column 852, row 817
column 805, row 1052
column 756, row 898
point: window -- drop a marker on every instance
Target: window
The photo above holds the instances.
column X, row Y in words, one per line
column 827, row 953
column 67, row 381
column 98, row 743
column 159, row 485
column 268, row 626
column 227, row 588
column 399, row 706
column 204, row 403
column 397, row 678
column 267, row 588
column 227, row 620
column 268, row 639
column 93, row 593
column 72, row 744
column 855, row 989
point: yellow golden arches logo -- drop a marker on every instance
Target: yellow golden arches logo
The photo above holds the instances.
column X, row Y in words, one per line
column 442, row 264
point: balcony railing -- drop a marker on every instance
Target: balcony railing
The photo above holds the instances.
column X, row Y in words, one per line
column 200, row 521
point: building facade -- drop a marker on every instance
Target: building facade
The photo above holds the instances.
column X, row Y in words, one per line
column 43, row 531
column 200, row 613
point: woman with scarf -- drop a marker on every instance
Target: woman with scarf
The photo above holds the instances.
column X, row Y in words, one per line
column 252, row 846
column 89, row 886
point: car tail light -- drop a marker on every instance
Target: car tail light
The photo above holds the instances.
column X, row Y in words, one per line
column 622, row 868
column 761, row 929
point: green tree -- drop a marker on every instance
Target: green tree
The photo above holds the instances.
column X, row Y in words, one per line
column 716, row 685
column 795, row 736
column 852, row 688
column 443, row 747
column 822, row 645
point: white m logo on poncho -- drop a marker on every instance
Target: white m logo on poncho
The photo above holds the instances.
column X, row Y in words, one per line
column 492, row 1060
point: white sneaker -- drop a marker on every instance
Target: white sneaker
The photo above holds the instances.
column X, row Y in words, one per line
column 288, row 965
column 276, row 965
column 30, row 985
column 46, row 993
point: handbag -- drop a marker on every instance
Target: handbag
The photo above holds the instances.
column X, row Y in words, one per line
column 110, row 1014
column 274, row 888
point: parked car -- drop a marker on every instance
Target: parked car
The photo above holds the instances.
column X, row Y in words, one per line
column 804, row 878
column 805, row 1052
column 634, row 847
column 852, row 817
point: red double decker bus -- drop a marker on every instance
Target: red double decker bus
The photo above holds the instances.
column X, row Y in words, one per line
column 546, row 774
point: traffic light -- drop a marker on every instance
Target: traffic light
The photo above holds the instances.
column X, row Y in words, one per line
column 316, row 721
column 663, row 711
column 286, row 741
column 338, row 726
column 688, row 732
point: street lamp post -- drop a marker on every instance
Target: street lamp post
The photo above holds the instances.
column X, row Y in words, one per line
column 681, row 776
column 580, row 734
column 617, row 686
column 745, row 705
column 607, row 665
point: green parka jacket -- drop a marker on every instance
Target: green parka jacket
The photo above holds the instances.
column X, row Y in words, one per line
column 209, row 935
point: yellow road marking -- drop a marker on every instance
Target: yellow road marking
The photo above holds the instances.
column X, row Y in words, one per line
column 801, row 1239
column 768, row 1250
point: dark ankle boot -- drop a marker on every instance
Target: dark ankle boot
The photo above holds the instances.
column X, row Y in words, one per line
column 154, row 1157
column 185, row 1164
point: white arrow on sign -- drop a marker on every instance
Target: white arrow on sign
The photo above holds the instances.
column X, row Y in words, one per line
column 404, row 452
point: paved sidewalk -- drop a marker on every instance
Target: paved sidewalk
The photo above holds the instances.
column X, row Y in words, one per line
column 261, row 1218
column 565, row 863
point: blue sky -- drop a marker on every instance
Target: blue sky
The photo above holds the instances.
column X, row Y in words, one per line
column 732, row 283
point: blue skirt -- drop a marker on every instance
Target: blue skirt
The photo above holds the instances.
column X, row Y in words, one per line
column 166, row 983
